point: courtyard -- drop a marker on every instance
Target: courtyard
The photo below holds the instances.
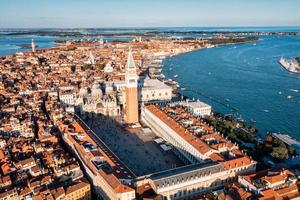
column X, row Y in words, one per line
column 135, row 148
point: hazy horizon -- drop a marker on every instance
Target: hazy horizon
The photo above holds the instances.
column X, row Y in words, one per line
column 180, row 28
column 147, row 14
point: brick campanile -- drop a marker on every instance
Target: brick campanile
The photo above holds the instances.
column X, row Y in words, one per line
column 131, row 92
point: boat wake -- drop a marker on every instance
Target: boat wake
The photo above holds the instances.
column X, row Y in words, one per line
column 293, row 90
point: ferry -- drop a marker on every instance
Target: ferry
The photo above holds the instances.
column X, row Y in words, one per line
column 290, row 65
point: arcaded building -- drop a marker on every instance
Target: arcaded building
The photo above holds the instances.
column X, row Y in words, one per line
column 215, row 160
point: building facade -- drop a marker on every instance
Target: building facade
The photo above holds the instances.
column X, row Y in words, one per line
column 152, row 90
column 196, row 143
column 199, row 108
column 187, row 182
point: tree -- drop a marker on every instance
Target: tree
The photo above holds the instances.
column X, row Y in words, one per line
column 278, row 143
column 280, row 153
column 253, row 129
column 292, row 150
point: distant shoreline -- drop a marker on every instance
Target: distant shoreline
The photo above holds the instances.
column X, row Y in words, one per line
column 147, row 32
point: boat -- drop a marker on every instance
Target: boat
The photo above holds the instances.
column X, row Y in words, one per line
column 266, row 110
column 240, row 119
column 252, row 121
column 254, row 44
column 289, row 97
column 279, row 92
column 291, row 65
column 175, row 76
column 182, row 88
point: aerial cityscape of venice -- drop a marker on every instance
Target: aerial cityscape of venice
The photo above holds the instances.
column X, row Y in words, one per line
column 140, row 99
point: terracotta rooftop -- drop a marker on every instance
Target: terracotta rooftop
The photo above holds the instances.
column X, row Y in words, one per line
column 76, row 186
column 201, row 143
column 118, row 170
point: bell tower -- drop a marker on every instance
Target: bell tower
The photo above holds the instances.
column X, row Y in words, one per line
column 131, row 91
column 32, row 46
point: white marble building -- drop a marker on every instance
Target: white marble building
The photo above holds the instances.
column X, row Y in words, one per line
column 108, row 68
column 198, row 108
column 154, row 90
column 68, row 98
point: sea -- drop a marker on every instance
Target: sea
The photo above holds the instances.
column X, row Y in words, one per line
column 243, row 80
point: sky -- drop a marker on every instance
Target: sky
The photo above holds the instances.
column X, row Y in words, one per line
column 147, row 13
